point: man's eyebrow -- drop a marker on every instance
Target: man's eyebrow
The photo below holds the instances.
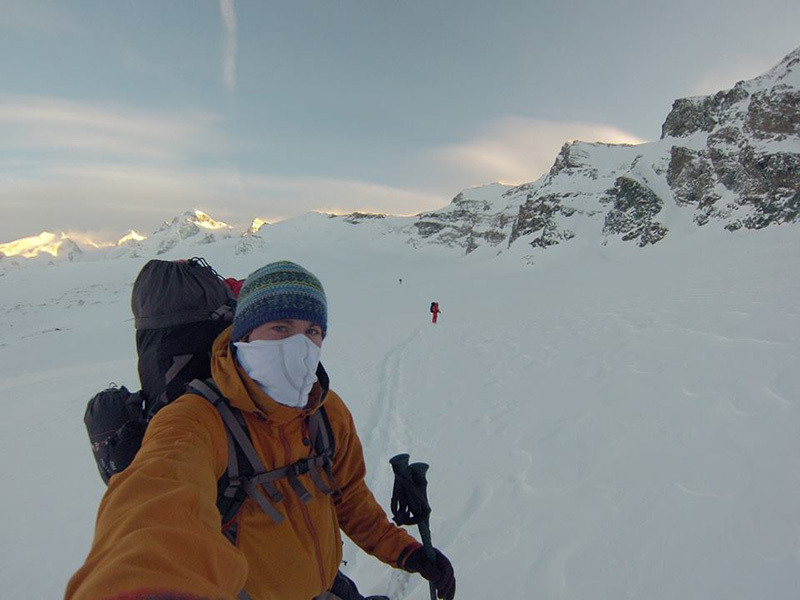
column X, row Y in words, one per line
column 292, row 321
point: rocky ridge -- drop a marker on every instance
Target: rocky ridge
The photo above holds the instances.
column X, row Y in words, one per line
column 732, row 158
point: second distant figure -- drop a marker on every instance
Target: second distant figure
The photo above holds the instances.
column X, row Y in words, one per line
column 435, row 311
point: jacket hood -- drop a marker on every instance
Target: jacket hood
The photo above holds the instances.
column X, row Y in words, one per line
column 246, row 395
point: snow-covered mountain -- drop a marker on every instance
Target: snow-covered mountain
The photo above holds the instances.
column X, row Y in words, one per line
column 192, row 228
column 45, row 246
column 730, row 160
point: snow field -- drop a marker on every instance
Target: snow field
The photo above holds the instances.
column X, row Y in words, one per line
column 608, row 422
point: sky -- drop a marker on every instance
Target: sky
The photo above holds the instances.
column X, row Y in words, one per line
column 121, row 115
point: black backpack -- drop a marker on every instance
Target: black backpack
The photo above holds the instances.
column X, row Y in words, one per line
column 434, row 304
column 179, row 309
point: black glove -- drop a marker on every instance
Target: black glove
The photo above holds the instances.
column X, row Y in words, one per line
column 439, row 573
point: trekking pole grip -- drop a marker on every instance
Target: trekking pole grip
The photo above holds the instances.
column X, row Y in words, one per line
column 410, row 503
column 399, row 464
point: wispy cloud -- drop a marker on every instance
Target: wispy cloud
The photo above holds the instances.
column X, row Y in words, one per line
column 228, row 12
column 517, row 150
column 54, row 124
column 724, row 77
column 338, row 196
column 118, row 197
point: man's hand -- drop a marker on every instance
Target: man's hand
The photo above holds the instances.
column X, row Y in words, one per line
column 439, row 573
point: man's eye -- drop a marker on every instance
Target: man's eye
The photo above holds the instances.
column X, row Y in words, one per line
column 314, row 331
column 279, row 328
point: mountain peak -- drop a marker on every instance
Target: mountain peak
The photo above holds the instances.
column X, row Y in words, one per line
column 256, row 226
column 205, row 221
column 786, row 69
column 35, row 245
column 131, row 236
column 759, row 104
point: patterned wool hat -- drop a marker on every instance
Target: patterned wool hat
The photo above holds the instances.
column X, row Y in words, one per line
column 279, row 290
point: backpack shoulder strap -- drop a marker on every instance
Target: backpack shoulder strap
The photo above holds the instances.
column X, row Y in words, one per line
column 243, row 459
column 324, row 442
column 319, row 428
column 229, row 496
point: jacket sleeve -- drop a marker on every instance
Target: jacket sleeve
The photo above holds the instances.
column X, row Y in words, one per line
column 158, row 527
column 360, row 516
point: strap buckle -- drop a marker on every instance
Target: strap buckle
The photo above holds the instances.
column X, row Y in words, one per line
column 299, row 468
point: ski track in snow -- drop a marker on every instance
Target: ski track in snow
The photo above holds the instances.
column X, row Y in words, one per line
column 387, row 431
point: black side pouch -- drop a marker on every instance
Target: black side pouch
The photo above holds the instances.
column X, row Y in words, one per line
column 115, row 423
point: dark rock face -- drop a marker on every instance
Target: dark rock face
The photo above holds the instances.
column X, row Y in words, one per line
column 690, row 177
column 632, row 215
column 538, row 215
column 764, row 184
column 688, row 116
column 748, row 156
column 775, row 114
column 428, row 228
column 466, row 223
column 572, row 159
column 694, row 115
column 166, row 245
column 358, row 217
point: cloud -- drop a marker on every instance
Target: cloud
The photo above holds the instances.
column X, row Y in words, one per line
column 89, row 167
column 339, row 196
column 54, row 124
column 228, row 12
column 113, row 198
column 518, row 150
column 724, row 77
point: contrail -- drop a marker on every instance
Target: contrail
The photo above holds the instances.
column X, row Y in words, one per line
column 228, row 12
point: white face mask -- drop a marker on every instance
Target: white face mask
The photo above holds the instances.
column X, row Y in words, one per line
column 285, row 369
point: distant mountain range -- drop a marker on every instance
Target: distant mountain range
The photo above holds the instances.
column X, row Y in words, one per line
column 730, row 160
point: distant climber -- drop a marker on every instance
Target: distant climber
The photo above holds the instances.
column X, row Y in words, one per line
column 435, row 310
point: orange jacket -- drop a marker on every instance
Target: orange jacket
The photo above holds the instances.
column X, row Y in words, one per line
column 158, row 528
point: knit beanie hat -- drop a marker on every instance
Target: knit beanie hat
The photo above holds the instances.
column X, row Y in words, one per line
column 279, row 290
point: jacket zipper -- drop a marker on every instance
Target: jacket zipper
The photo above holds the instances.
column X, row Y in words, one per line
column 306, row 514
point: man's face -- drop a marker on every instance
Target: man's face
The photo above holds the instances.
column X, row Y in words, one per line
column 278, row 330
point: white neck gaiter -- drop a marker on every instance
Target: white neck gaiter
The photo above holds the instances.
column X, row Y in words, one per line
column 285, row 369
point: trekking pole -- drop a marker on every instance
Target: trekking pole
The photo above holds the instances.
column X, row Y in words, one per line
column 410, row 502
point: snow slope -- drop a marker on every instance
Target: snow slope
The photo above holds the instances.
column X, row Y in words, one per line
column 609, row 422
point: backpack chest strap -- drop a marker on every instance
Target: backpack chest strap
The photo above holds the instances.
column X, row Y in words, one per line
column 239, row 441
column 311, row 465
